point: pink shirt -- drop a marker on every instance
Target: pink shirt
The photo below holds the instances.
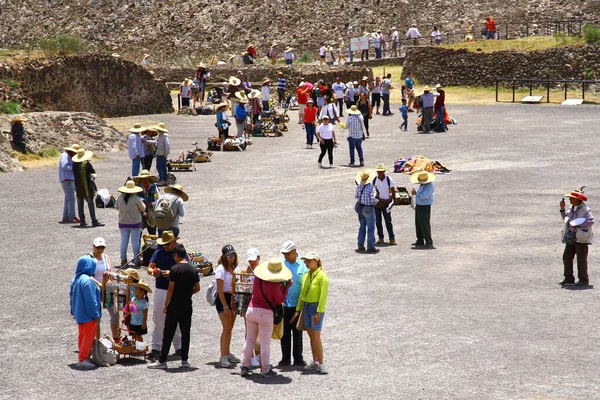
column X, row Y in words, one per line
column 272, row 290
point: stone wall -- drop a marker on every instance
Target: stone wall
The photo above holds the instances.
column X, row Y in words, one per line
column 105, row 85
column 433, row 65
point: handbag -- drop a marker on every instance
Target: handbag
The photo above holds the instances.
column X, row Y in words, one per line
column 277, row 331
column 300, row 321
column 277, row 310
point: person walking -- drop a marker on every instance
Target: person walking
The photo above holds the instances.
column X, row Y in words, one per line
column 356, row 133
column 577, row 236
column 85, row 186
column 310, row 122
column 414, row 35
column 440, row 107
column 268, row 291
column 224, row 275
column 339, row 87
column 149, row 194
column 291, row 342
column 395, row 42
column 175, row 197
column 427, row 99
column 423, row 200
column 67, row 181
column 184, row 282
column 136, row 148
column 130, row 209
column 364, row 106
column 365, row 194
column 330, row 109
column 281, row 87
column 386, row 86
column 163, row 148
column 385, row 194
column 376, row 94
column 404, row 114
column 327, row 139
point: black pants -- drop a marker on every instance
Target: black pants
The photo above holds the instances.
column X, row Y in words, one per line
column 422, row 225
column 147, row 162
column 182, row 315
column 327, row 147
column 364, row 55
column 581, row 251
column 366, row 120
column 91, row 207
column 289, row 329
column 387, row 216
column 427, row 117
column 281, row 95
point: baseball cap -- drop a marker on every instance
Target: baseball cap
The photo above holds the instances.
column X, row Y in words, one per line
column 99, row 242
column 311, row 255
column 227, row 250
column 253, row 254
column 288, row 246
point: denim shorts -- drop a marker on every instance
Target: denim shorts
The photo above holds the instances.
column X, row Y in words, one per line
column 219, row 305
column 310, row 310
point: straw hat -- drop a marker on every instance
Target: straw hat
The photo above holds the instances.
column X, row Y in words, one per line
column 426, row 89
column 577, row 194
column 73, row 148
column 82, row 155
column 221, row 105
column 265, row 80
column 289, row 49
column 145, row 174
column 375, row 35
column 438, row 86
column 19, row 118
column 364, row 176
column 178, row 189
column 201, row 65
column 353, row 111
column 186, row 82
column 166, row 238
column 142, row 284
column 273, row 271
column 161, row 127
column 116, row 55
column 233, row 81
column 137, row 128
column 422, row 177
column 132, row 273
column 364, row 78
column 279, row 72
column 242, row 96
column 311, row 255
column 151, row 130
column 253, row 93
column 380, row 167
column 130, row 188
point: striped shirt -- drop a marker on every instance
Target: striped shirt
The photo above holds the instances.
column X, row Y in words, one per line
column 281, row 83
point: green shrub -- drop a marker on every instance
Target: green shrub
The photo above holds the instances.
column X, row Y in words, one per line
column 49, row 152
column 12, row 83
column 591, row 34
column 10, row 107
column 305, row 58
column 62, row 45
column 561, row 37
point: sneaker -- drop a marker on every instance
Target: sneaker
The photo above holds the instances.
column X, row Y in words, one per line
column 86, row 364
column 351, row 164
column 233, row 358
column 310, row 147
column 373, row 250
column 380, row 241
column 311, row 366
column 582, row 283
column 245, row 371
column 158, row 365
column 185, row 364
column 320, row 164
column 75, row 220
column 97, row 223
column 83, row 224
column 154, row 354
column 361, row 249
column 417, row 244
column 224, row 362
column 255, row 361
column 300, row 363
column 430, row 247
column 393, row 242
column 331, row 166
column 64, row 221
column 362, row 164
column 323, row 369
column 270, row 373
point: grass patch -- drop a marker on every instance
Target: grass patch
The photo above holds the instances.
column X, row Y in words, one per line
column 305, row 58
column 62, row 45
column 10, row 107
column 13, row 84
column 534, row 43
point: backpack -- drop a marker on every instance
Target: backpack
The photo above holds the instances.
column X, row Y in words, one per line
column 211, row 293
column 103, row 353
column 163, row 213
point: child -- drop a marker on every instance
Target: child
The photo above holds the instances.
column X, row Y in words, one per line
column 139, row 316
column 404, row 112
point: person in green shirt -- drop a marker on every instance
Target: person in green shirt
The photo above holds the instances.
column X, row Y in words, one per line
column 312, row 300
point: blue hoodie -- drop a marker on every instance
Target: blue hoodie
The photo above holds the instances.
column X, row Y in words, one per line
column 86, row 303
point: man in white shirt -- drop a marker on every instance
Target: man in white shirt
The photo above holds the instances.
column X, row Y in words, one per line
column 339, row 87
column 136, row 148
column 414, row 34
column 395, row 42
column 386, row 192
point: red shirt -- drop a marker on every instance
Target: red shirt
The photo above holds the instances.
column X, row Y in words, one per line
column 310, row 114
column 491, row 25
column 302, row 95
column 274, row 292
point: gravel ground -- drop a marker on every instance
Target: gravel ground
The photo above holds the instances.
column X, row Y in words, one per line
column 481, row 317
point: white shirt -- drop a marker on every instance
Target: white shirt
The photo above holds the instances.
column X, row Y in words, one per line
column 135, row 146
column 265, row 92
column 436, row 34
column 325, row 131
column 376, row 87
column 288, row 55
column 331, row 110
column 382, row 186
column 101, row 268
column 222, row 274
column 322, row 51
column 339, row 89
column 413, row 33
column 395, row 36
column 186, row 91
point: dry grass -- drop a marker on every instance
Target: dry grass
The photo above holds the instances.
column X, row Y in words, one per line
column 124, row 124
column 527, row 44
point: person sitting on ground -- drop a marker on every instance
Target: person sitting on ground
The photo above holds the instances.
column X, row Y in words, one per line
column 17, row 131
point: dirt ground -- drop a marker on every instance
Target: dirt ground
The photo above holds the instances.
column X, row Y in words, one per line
column 481, row 317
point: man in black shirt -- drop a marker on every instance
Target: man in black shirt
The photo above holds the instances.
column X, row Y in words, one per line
column 183, row 283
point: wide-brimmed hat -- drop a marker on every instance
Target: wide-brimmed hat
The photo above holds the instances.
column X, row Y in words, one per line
column 132, row 273
column 201, row 65
column 241, row 95
column 375, row 35
column 179, row 191
column 353, row 110
column 253, row 94
column 145, row 174
column 426, row 89
column 265, row 80
column 137, row 128
column 82, row 155
column 142, row 284
column 186, row 82
column 311, row 255
column 380, row 167
column 289, row 49
column 19, row 118
column 161, row 127
column 577, row 194
column 364, row 78
column 151, row 130
column 221, row 105
column 438, row 86
column 365, row 176
column 130, row 188
column 73, row 148
column 273, row 271
column 166, row 238
column 233, row 81
column 422, row 177
column 279, row 72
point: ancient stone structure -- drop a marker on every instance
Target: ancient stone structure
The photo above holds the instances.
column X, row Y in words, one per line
column 106, row 85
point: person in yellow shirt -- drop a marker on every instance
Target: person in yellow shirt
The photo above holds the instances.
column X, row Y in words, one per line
column 312, row 300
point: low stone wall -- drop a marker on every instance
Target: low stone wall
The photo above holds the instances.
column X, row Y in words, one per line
column 105, row 85
column 432, row 65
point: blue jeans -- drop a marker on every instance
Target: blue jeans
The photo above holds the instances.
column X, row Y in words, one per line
column 133, row 234
column 135, row 166
column 288, row 61
column 69, row 204
column 161, row 167
column 265, row 105
column 341, row 106
column 377, row 52
column 311, row 132
column 440, row 124
column 404, row 122
column 355, row 144
column 367, row 227
column 386, row 103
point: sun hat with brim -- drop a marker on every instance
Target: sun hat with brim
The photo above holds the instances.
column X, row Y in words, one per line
column 166, row 238
column 151, row 130
column 422, row 177
column 577, row 194
column 19, row 118
column 233, row 81
column 369, row 174
column 380, row 167
column 142, row 284
column 253, row 94
column 279, row 72
column 82, row 155
column 72, row 149
column 311, row 255
column 364, row 78
column 186, row 82
column 130, row 188
column 438, row 86
column 221, row 105
column 161, row 127
column 137, row 128
column 426, row 89
column 375, row 35
column 273, row 271
column 289, row 49
column 132, row 273
column 353, row 111
column 241, row 95
column 201, row 65
column 179, row 191
column 145, row 174
column 266, row 80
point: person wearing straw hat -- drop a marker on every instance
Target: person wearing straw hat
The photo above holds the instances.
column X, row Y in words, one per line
column 149, row 144
column 222, row 120
column 386, row 192
column 423, row 198
column 311, row 304
column 427, row 98
column 104, row 264
column 149, row 194
column 67, row 181
column 268, row 292
column 130, row 207
column 139, row 310
column 272, row 53
column 329, row 56
column 356, row 133
column 289, row 55
column 185, row 91
column 163, row 148
column 577, row 236
column 184, row 283
column 85, row 185
column 376, row 41
column 202, row 76
column 265, row 92
column 175, row 196
column 281, row 87
column 247, row 58
column 240, row 113
column 254, row 102
column 136, row 148
column 17, row 132
column 365, row 195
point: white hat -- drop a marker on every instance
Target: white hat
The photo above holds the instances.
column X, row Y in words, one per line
column 288, row 246
column 99, row 242
column 253, row 254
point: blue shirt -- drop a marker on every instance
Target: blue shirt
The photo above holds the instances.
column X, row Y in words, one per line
column 366, row 194
column 281, row 84
column 65, row 168
column 164, row 261
column 424, row 195
column 404, row 110
column 137, row 318
column 298, row 270
column 240, row 111
column 409, row 83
